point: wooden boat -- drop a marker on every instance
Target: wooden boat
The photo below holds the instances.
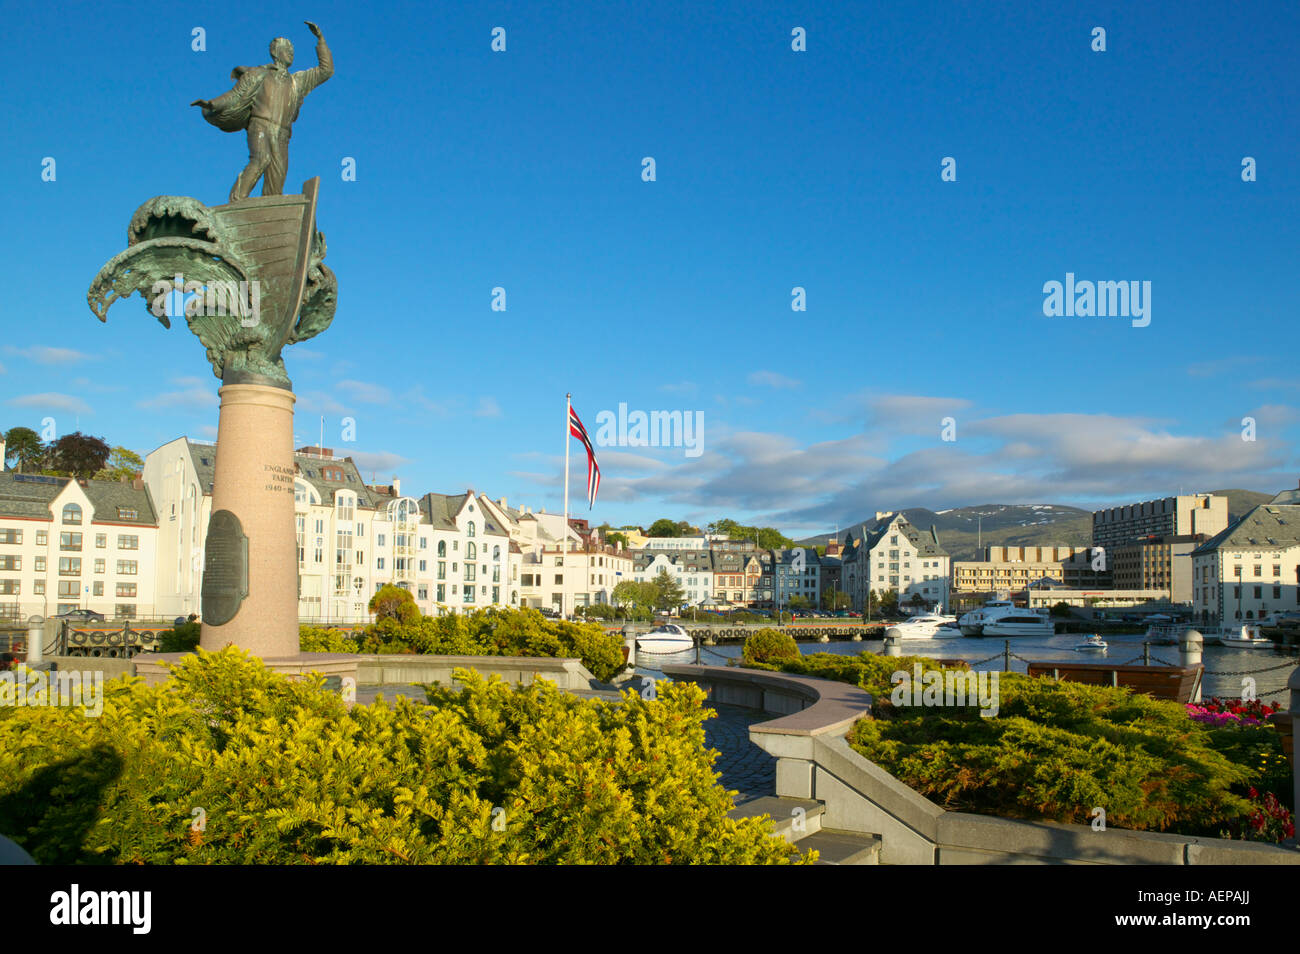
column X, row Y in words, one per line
column 1177, row 683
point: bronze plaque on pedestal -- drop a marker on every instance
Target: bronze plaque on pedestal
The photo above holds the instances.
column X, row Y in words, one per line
column 225, row 569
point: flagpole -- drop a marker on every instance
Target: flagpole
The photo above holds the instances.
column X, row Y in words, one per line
column 564, row 531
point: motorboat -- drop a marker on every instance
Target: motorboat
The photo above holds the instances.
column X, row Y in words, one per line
column 1247, row 637
column 1093, row 643
column 665, row 638
column 1004, row 618
column 972, row 623
column 928, row 626
column 1163, row 631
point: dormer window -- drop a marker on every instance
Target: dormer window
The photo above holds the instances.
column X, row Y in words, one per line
column 72, row 514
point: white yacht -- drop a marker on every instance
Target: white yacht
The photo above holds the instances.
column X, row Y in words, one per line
column 928, row 626
column 665, row 638
column 972, row 623
column 1093, row 643
column 1004, row 618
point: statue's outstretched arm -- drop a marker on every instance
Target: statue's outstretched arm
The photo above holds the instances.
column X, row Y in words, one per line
column 243, row 89
column 310, row 79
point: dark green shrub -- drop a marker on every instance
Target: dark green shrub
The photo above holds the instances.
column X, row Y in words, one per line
column 180, row 639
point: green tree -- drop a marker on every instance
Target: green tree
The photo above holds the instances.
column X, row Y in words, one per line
column 394, row 602
column 799, row 602
column 23, row 448
column 121, row 463
column 768, row 538
column 614, row 538
column 663, row 527
column 833, row 599
column 78, row 454
column 668, row 592
column 885, row 602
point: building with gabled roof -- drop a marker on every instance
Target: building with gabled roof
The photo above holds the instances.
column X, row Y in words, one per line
column 1251, row 569
column 68, row 544
column 895, row 555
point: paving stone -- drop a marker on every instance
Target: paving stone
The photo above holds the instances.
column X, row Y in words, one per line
column 744, row 766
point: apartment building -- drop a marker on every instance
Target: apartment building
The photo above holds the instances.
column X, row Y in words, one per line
column 895, row 555
column 1251, row 569
column 69, row 544
column 1180, row 516
column 550, row 577
column 449, row 551
column 1161, row 563
column 1011, row 569
column 693, row 570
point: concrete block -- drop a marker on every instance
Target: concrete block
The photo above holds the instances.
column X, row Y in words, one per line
column 794, row 778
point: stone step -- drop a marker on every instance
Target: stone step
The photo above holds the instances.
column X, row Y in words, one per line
column 792, row 818
column 837, row 847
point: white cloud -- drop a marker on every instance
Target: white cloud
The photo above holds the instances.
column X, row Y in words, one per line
column 680, row 387
column 379, row 461
column 365, row 392
column 1217, row 366
column 487, row 407
column 43, row 354
column 194, row 394
column 318, row 402
column 1073, row 459
column 52, row 401
column 771, row 379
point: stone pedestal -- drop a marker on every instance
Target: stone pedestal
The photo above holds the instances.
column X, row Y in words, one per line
column 254, row 484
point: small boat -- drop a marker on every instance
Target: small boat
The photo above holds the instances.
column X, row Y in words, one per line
column 1093, row 643
column 1247, row 638
column 665, row 638
column 1164, row 633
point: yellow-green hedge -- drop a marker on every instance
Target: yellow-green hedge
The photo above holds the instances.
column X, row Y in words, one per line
column 284, row 772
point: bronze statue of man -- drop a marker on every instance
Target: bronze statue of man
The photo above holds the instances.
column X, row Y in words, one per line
column 265, row 101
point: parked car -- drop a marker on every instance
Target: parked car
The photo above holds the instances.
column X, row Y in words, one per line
column 80, row 616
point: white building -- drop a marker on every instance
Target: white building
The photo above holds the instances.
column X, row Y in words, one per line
column 449, row 551
column 70, row 544
column 1251, row 569
column 894, row 555
column 691, row 569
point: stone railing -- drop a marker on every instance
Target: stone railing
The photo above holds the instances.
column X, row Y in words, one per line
column 404, row 670
column 815, row 761
column 379, row 670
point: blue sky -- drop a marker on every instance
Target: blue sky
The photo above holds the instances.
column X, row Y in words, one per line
column 774, row 169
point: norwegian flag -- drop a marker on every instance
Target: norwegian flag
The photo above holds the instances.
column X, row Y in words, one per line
column 593, row 470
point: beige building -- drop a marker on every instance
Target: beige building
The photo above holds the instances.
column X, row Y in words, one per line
column 1159, row 564
column 1009, row 569
column 1181, row 516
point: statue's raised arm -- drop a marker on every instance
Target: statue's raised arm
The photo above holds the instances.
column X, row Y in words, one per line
column 265, row 102
column 308, row 80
